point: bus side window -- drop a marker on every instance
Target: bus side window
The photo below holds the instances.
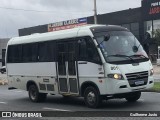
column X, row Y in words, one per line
column 88, row 51
column 29, row 52
column 14, row 54
column 46, row 51
column 82, row 49
column 92, row 52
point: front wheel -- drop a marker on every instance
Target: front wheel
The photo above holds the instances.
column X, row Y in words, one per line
column 34, row 94
column 133, row 97
column 92, row 98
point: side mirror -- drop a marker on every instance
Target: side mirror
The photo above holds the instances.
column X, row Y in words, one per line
column 106, row 37
column 135, row 49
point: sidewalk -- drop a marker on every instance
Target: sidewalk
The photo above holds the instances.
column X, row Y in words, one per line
column 156, row 73
column 3, row 79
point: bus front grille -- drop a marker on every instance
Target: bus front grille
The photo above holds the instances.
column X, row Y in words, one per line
column 137, row 79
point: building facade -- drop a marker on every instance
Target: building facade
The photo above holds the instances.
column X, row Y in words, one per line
column 3, row 44
column 139, row 21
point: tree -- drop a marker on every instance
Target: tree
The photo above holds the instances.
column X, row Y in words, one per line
column 157, row 36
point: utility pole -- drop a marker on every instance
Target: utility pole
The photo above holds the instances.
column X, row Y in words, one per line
column 95, row 12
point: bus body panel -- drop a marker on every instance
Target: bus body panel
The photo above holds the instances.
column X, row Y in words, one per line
column 40, row 73
column 113, row 85
column 45, row 74
column 32, row 69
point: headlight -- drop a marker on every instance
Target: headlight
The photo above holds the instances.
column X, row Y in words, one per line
column 151, row 72
column 116, row 76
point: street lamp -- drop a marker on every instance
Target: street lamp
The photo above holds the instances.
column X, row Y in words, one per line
column 95, row 12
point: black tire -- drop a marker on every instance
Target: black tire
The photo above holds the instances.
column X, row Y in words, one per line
column 34, row 94
column 133, row 97
column 92, row 97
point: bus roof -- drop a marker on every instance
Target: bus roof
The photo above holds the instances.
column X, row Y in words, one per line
column 86, row 30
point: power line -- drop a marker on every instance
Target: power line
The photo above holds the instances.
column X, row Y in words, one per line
column 27, row 10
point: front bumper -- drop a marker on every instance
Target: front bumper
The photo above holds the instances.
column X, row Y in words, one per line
column 122, row 86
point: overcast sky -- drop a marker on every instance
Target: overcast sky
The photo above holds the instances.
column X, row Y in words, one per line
column 50, row 11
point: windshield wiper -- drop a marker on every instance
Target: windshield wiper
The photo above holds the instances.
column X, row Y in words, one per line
column 139, row 56
column 119, row 55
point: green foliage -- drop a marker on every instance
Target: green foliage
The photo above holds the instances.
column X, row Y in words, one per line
column 156, row 86
column 156, row 35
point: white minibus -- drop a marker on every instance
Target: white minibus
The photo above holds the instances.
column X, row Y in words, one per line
column 96, row 62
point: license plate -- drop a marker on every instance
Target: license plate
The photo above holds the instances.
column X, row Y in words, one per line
column 139, row 82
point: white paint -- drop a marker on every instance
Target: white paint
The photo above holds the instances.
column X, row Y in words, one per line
column 32, row 69
column 63, row 34
column 55, row 109
column 90, row 70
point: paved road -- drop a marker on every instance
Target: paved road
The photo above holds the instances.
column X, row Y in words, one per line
column 11, row 100
column 17, row 100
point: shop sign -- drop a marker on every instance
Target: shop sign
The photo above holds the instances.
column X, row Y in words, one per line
column 151, row 9
column 67, row 24
column 155, row 8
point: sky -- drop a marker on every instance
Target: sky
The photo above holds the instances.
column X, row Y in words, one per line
column 18, row 14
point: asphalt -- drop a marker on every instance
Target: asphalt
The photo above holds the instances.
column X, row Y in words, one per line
column 17, row 100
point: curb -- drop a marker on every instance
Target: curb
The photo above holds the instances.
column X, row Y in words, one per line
column 151, row 91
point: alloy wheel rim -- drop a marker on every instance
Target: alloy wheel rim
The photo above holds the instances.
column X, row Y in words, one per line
column 33, row 94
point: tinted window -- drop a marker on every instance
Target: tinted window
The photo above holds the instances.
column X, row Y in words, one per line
column 71, row 58
column 46, row 51
column 62, row 58
column 29, row 52
column 32, row 52
column 14, row 54
column 88, row 51
column 82, row 49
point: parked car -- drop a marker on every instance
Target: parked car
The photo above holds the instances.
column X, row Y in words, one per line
column 3, row 69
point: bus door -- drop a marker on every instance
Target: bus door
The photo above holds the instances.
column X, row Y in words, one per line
column 67, row 68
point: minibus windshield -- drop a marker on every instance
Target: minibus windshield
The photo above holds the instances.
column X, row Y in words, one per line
column 122, row 47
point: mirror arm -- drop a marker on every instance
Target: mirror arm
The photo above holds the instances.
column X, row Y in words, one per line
column 100, row 43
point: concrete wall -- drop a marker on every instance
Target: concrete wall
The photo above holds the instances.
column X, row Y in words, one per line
column 3, row 44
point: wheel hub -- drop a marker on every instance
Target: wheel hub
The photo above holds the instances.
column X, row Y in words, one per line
column 91, row 98
column 33, row 94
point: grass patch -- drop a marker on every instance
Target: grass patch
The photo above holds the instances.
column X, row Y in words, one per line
column 156, row 88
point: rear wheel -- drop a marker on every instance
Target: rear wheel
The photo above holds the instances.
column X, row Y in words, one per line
column 133, row 97
column 91, row 97
column 34, row 94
